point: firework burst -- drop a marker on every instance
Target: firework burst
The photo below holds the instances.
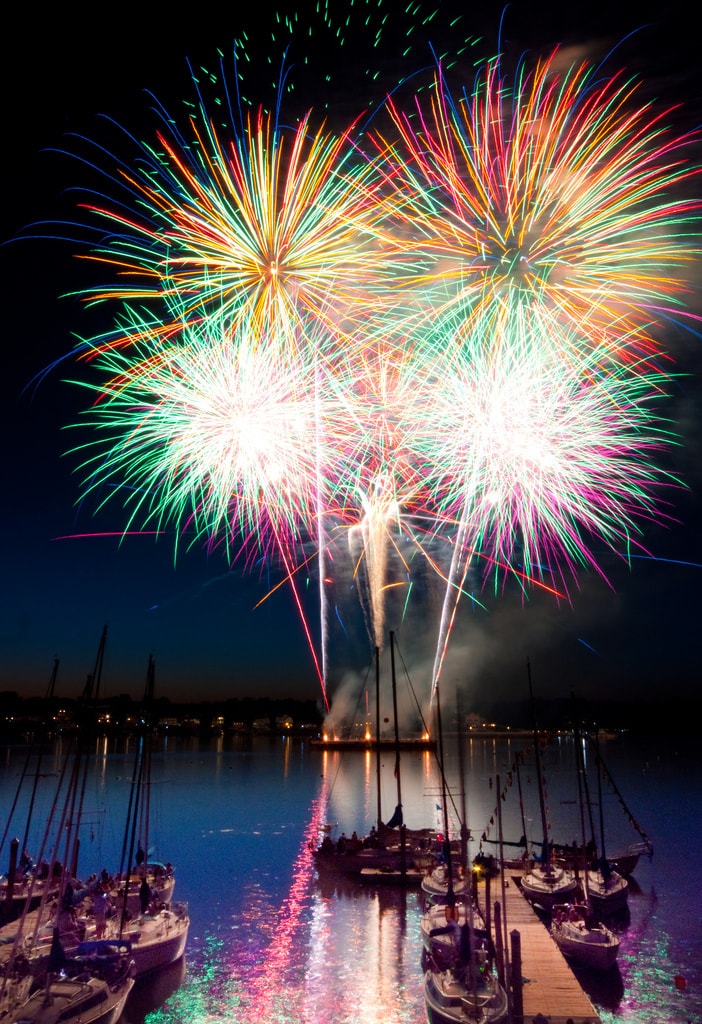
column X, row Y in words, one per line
column 541, row 460
column 215, row 433
column 557, row 191
column 443, row 343
column 274, row 228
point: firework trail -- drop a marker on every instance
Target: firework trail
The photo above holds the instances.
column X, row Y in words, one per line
column 381, row 489
column 368, row 543
column 555, row 191
column 218, row 433
column 438, row 331
column 539, row 457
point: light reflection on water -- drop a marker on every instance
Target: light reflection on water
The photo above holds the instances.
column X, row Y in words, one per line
column 325, row 952
column 270, row 942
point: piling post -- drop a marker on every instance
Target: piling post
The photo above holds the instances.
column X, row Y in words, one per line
column 488, row 908
column 499, row 946
column 516, row 972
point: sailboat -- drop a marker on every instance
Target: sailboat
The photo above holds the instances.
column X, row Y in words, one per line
column 144, row 875
column 443, row 884
column 574, row 928
column 82, row 1000
column 77, row 991
column 154, row 935
column 460, row 983
column 391, row 853
column 469, row 994
column 156, row 929
column 84, row 990
column 607, row 891
column 583, row 939
column 545, row 883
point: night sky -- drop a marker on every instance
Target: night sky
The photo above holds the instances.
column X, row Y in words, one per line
column 64, row 72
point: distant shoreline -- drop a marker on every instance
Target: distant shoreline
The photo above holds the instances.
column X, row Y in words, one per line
column 360, row 743
column 24, row 717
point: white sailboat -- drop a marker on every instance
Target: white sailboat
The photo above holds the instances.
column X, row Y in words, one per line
column 581, row 939
column 460, row 983
column 82, row 1000
column 606, row 890
column 155, row 928
column 70, row 989
column 545, row 883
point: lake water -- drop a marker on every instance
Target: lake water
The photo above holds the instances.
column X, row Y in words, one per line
column 271, row 942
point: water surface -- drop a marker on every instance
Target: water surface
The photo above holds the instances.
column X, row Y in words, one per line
column 269, row 941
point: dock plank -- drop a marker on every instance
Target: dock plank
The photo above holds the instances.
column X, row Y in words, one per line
column 549, row 986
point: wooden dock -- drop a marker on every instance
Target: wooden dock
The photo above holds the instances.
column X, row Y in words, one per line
column 549, row 986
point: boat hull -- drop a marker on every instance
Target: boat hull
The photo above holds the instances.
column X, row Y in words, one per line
column 410, row 878
column 607, row 895
column 74, row 1002
column 361, row 744
column 154, row 941
column 581, row 940
column 157, row 942
column 545, row 887
column 447, row 1001
column 355, row 861
column 596, row 956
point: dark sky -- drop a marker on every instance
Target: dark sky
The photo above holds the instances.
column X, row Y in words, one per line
column 66, row 69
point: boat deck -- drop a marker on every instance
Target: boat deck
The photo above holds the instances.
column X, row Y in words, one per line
column 549, row 986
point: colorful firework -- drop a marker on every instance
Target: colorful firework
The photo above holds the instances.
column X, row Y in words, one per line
column 540, row 460
column 275, row 228
column 211, row 431
column 554, row 192
column 232, row 209
column 218, row 433
column 448, row 342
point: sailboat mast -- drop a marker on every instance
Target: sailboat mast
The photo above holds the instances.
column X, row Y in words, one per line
column 603, row 769
column 462, row 770
column 537, row 757
column 87, row 736
column 603, row 853
column 377, row 734
column 581, row 803
column 146, row 798
column 444, row 797
column 403, row 863
column 521, row 801
column 40, row 753
column 397, row 727
column 588, row 801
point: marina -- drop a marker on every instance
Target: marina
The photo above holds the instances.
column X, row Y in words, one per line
column 387, row 333
column 271, row 937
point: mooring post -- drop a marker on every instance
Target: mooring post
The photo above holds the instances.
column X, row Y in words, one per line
column 488, row 909
column 516, row 971
column 499, row 946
